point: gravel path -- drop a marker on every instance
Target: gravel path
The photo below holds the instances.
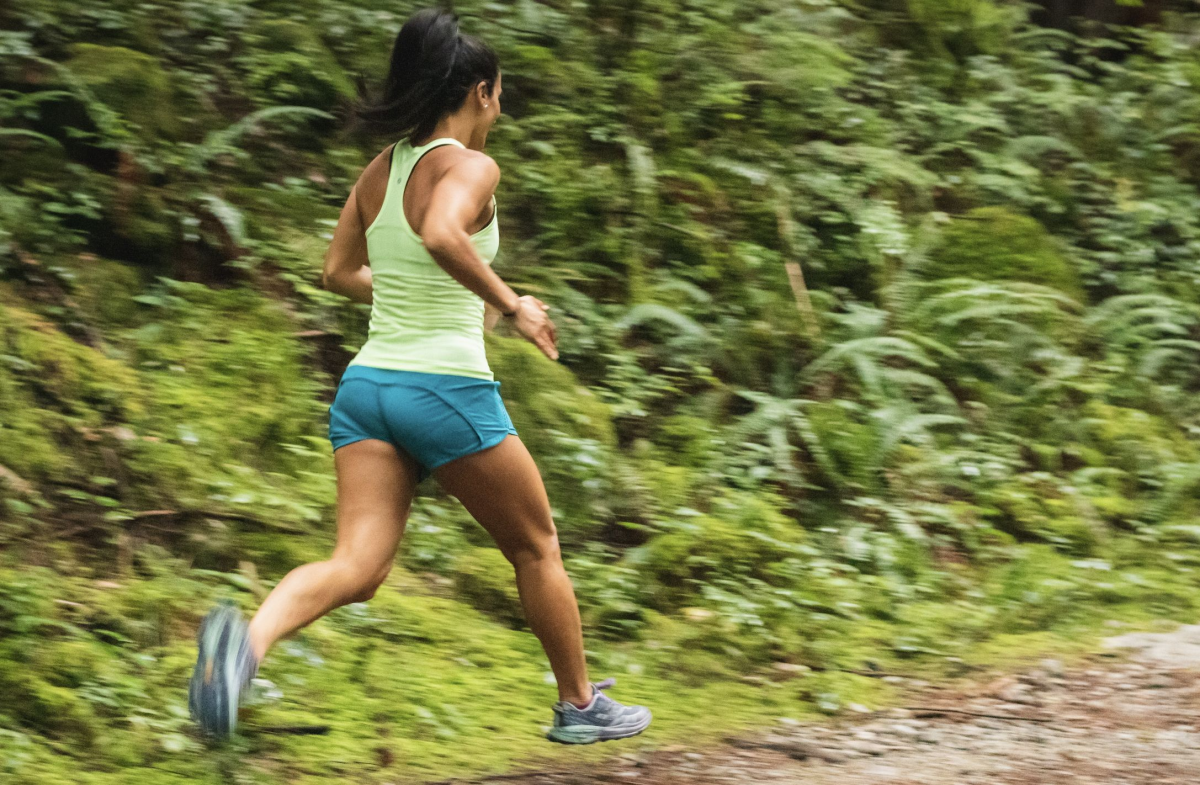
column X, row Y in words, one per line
column 1128, row 721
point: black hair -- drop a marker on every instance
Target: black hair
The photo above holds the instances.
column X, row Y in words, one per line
column 433, row 69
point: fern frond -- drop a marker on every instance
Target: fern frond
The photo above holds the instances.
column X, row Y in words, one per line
column 224, row 141
column 647, row 312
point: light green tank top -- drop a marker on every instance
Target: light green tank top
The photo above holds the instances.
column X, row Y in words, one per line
column 421, row 318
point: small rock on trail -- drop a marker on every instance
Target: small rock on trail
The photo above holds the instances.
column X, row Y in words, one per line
column 1179, row 649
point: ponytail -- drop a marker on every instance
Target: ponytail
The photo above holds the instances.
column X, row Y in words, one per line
column 433, row 69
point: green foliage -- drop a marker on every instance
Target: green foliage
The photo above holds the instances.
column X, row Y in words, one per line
column 744, row 536
column 962, row 28
column 993, row 243
column 132, row 84
column 288, row 64
column 484, row 578
column 58, row 391
column 567, row 429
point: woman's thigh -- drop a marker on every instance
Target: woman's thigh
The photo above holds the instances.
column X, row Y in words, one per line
column 502, row 489
column 375, row 487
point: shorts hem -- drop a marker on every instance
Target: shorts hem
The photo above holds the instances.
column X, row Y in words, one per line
column 340, row 443
column 484, row 445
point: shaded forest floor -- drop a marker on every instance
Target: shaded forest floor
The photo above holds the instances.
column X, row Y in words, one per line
column 1126, row 715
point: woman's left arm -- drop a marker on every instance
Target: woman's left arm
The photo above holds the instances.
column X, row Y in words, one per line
column 347, row 271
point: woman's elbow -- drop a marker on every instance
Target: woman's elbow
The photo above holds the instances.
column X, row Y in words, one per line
column 439, row 242
column 333, row 281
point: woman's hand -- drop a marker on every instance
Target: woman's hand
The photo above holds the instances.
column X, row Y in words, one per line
column 531, row 321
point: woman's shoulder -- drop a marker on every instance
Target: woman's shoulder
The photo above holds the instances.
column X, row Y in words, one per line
column 467, row 155
column 472, row 163
column 379, row 166
column 372, row 182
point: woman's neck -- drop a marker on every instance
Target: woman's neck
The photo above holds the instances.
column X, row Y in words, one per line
column 461, row 127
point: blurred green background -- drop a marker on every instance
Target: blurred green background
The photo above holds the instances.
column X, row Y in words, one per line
column 880, row 334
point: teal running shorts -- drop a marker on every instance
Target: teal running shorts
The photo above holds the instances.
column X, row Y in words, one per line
column 433, row 417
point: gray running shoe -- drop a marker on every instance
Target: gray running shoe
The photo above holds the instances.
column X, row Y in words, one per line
column 224, row 667
column 602, row 720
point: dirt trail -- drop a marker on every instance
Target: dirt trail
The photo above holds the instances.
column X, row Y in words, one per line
column 1126, row 721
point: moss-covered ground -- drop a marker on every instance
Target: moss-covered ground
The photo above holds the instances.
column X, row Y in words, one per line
column 418, row 685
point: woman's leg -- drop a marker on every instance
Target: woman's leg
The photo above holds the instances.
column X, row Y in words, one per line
column 502, row 489
column 375, row 486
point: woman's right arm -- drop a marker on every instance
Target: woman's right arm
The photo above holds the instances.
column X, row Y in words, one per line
column 346, row 265
column 459, row 197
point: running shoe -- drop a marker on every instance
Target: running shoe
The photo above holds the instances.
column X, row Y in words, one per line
column 224, row 668
column 601, row 720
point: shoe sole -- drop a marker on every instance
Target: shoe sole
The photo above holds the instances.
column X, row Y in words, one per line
column 590, row 734
column 209, row 689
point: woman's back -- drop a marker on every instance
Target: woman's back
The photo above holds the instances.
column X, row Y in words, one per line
column 421, row 318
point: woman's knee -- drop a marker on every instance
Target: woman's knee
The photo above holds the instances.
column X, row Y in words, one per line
column 541, row 548
column 362, row 578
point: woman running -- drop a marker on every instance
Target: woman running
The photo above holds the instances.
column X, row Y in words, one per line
column 415, row 240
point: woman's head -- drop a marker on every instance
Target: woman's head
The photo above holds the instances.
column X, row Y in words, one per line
column 436, row 71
